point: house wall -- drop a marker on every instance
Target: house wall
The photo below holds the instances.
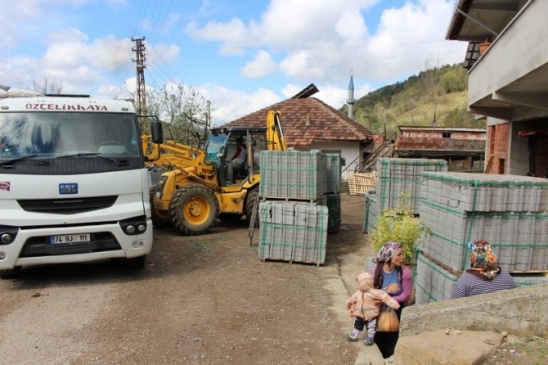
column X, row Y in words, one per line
column 467, row 135
column 349, row 151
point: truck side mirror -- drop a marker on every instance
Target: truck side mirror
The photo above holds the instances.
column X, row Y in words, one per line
column 157, row 131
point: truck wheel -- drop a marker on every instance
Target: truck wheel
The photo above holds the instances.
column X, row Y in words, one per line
column 160, row 218
column 251, row 197
column 16, row 272
column 193, row 209
column 135, row 263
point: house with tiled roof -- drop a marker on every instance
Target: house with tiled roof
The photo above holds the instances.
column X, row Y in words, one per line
column 310, row 124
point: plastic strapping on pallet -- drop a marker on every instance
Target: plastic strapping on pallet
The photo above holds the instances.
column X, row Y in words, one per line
column 297, row 175
column 486, row 210
column 293, row 231
column 396, row 175
column 468, row 239
column 435, row 270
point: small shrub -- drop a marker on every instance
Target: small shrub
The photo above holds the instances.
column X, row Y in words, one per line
column 400, row 225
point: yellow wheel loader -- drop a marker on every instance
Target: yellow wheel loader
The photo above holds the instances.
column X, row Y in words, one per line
column 194, row 193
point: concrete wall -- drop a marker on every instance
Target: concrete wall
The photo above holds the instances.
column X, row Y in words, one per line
column 501, row 65
column 522, row 312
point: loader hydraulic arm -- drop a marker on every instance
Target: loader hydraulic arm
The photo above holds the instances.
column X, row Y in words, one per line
column 176, row 155
column 274, row 135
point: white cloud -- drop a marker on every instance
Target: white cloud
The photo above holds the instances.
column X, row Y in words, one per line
column 261, row 65
column 336, row 96
column 291, row 90
column 325, row 41
column 293, row 40
column 232, row 34
column 19, row 72
column 331, row 94
column 229, row 104
column 117, row 4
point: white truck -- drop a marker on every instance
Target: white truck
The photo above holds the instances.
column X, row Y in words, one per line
column 73, row 182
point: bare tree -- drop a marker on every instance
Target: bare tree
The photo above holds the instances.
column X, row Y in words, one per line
column 47, row 86
column 430, row 83
column 184, row 111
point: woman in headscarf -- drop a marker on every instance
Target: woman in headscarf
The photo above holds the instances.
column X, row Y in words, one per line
column 484, row 275
column 394, row 278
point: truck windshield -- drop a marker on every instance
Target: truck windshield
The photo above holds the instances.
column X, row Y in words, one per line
column 64, row 134
column 215, row 147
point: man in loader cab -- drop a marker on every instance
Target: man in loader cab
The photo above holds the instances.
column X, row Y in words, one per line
column 237, row 161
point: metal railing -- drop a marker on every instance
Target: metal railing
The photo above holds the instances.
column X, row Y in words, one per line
column 370, row 161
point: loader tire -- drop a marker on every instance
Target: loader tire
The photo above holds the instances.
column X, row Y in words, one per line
column 193, row 209
column 230, row 217
column 160, row 219
column 251, row 196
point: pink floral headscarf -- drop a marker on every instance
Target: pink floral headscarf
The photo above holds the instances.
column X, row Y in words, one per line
column 387, row 251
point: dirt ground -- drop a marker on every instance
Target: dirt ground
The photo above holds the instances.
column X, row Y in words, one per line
column 199, row 300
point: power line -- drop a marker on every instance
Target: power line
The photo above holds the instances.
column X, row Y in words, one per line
column 164, row 22
column 139, row 18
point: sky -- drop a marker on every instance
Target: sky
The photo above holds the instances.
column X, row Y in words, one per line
column 241, row 55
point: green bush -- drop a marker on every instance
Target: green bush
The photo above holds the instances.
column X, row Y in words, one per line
column 400, row 225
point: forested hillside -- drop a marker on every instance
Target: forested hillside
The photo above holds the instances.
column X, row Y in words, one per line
column 435, row 97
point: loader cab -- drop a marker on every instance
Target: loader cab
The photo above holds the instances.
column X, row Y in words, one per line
column 222, row 143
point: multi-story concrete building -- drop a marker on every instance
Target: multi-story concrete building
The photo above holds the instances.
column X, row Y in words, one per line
column 508, row 83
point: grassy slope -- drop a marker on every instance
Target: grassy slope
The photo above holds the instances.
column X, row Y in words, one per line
column 412, row 102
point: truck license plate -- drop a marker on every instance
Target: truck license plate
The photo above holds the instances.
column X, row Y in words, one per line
column 69, row 238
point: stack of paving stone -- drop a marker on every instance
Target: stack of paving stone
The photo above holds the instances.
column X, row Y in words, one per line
column 300, row 204
column 293, row 231
column 398, row 175
column 371, row 211
column 508, row 211
column 294, row 174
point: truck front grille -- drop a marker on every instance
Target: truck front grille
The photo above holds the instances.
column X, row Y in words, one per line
column 67, row 206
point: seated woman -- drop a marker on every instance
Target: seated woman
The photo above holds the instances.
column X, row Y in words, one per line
column 484, row 275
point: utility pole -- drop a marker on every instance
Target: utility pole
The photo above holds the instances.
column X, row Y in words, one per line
column 140, row 60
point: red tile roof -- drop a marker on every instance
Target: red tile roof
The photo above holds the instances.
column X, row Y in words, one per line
column 305, row 120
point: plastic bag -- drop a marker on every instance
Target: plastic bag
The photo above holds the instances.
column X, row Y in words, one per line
column 387, row 321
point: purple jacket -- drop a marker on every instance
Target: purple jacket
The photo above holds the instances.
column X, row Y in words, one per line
column 406, row 283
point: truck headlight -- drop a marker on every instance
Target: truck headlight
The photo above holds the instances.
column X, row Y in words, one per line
column 134, row 226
